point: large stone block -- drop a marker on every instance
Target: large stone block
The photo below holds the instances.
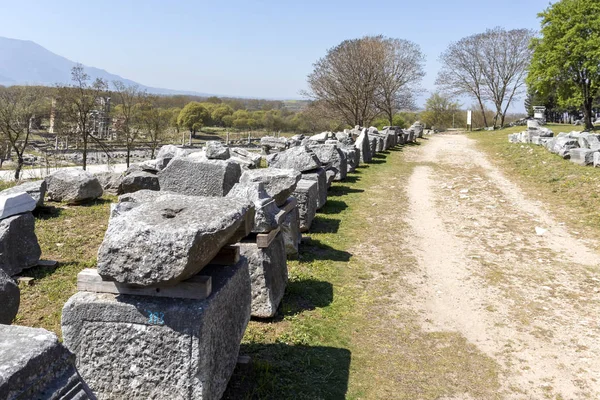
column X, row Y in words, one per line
column 19, row 248
column 245, row 157
column 331, row 157
column 196, row 176
column 307, row 194
column 139, row 180
column 34, row 365
column 216, row 151
column 73, row 186
column 16, row 203
column 279, row 183
column 268, row 275
column 300, row 158
column 36, row 189
column 167, row 238
column 373, row 144
column 110, row 182
column 290, row 230
column 266, row 210
column 362, row 144
column 10, row 297
column 319, row 176
column 582, row 157
column 138, row 347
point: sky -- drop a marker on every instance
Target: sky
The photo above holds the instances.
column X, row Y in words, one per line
column 245, row 48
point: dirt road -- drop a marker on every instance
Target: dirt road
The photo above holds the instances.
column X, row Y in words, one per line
column 499, row 269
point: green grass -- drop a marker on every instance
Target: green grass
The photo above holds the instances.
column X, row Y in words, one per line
column 570, row 190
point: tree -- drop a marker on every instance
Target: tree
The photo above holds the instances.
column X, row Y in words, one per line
column 403, row 70
column 440, row 112
column 18, row 106
column 193, row 117
column 219, row 112
column 129, row 100
column 346, row 80
column 77, row 104
column 566, row 56
column 155, row 121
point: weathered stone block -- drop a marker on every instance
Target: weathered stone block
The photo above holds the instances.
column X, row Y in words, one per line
column 290, row 230
column 36, row 189
column 306, row 193
column 216, row 151
column 331, row 157
column 196, row 176
column 73, row 186
column 16, row 203
column 362, row 143
column 268, row 275
column 139, row 180
column 10, row 297
column 266, row 210
column 137, row 347
column 300, row 158
column 319, row 176
column 110, row 182
column 34, row 365
column 279, row 183
column 168, row 238
column 245, row 157
column 19, row 248
column 582, row 157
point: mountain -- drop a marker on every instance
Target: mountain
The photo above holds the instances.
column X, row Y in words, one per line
column 23, row 62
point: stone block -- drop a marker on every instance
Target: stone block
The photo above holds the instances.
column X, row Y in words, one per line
column 307, row 194
column 290, row 230
column 36, row 189
column 300, row 158
column 140, row 347
column 10, row 297
column 268, row 275
column 139, row 180
column 251, row 160
column 19, row 248
column 331, row 157
column 582, row 157
column 16, row 203
column 266, row 210
column 319, row 176
column 73, row 186
column 196, row 176
column 34, row 365
column 166, row 238
column 362, row 144
column 373, row 144
column 110, row 182
column 216, row 151
column 279, row 183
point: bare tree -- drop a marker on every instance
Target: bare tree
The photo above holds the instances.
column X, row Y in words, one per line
column 18, row 106
column 347, row 78
column 505, row 57
column 402, row 71
column 128, row 112
column 461, row 72
column 155, row 121
column 77, row 102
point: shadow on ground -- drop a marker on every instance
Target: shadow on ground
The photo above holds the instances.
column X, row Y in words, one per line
column 305, row 295
column 314, row 250
column 282, row 371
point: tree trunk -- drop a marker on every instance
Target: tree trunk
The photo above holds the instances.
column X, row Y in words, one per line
column 84, row 151
column 587, row 114
column 128, row 156
column 483, row 113
column 20, row 162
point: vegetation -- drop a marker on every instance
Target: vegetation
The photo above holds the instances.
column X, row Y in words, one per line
column 441, row 113
column 565, row 57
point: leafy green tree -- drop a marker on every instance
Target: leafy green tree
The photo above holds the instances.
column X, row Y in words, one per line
column 220, row 112
column 566, row 56
column 227, row 121
column 193, row 117
column 440, row 111
column 174, row 120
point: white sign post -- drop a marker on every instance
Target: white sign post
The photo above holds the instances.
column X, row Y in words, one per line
column 469, row 124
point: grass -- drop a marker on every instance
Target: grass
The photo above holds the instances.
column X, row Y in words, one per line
column 571, row 191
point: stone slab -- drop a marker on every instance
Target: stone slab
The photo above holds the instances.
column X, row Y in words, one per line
column 306, row 193
column 16, row 203
column 19, row 247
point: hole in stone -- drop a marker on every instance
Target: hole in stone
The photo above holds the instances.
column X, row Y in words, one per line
column 157, row 290
column 171, row 213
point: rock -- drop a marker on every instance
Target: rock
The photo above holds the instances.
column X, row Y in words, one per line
column 540, row 231
column 73, row 186
column 582, row 157
column 247, row 157
column 268, row 275
column 597, row 159
column 139, row 180
column 333, row 158
column 36, row 189
column 362, row 144
column 141, row 347
column 10, row 297
column 266, row 210
column 352, row 157
column 373, row 144
column 589, row 141
column 216, row 151
column 321, row 137
column 36, row 366
column 19, row 248
column 278, row 183
column 199, row 177
column 110, row 182
column 167, row 238
column 167, row 153
column 300, row 158
column 330, row 176
column 319, row 176
column 16, row 203
column 272, row 144
column 306, row 193
column 563, row 145
column 290, row 230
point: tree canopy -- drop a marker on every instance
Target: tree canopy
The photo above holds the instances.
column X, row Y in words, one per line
column 193, row 116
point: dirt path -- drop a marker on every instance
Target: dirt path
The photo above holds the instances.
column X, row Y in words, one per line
column 526, row 297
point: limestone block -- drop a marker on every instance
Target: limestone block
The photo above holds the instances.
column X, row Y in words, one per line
column 73, row 186
column 34, row 365
column 19, row 248
column 582, row 157
column 331, row 157
column 9, row 299
column 216, row 151
column 16, row 203
column 306, row 193
column 140, row 347
column 300, row 158
column 290, row 230
column 268, row 275
column 196, row 176
column 278, row 182
column 139, row 180
column 266, row 210
column 36, row 189
column 319, row 176
column 167, row 238
column 110, row 182
column 362, row 144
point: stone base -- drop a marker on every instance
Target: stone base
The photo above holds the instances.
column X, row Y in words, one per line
column 306, row 193
column 138, row 347
column 268, row 275
column 582, row 157
column 319, row 176
column 34, row 365
column 290, row 230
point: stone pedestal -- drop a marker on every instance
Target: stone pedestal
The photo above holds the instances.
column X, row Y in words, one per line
column 268, row 275
column 142, row 347
column 319, row 176
column 307, row 194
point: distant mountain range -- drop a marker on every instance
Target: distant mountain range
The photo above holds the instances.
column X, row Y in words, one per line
column 23, row 62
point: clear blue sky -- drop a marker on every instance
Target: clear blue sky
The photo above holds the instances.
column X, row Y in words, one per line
column 244, row 48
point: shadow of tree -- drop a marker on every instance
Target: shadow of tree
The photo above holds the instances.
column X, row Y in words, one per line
column 341, row 190
column 333, row 207
column 312, row 249
column 282, row 371
column 324, row 225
